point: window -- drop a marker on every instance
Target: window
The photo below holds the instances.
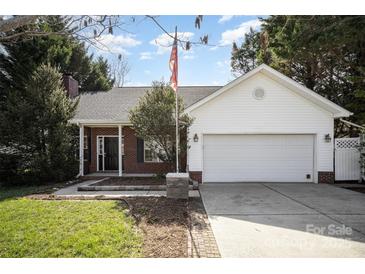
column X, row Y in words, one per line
column 150, row 155
column 101, row 145
column 86, row 142
column 86, row 148
column 122, row 145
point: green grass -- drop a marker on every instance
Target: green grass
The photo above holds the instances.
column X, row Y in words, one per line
column 38, row 229
column 20, row 191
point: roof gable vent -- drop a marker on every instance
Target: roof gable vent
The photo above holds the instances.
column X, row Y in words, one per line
column 258, row 93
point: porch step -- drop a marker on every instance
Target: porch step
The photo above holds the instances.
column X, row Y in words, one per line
column 87, row 178
column 125, row 188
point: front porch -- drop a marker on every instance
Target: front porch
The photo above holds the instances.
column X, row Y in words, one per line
column 113, row 150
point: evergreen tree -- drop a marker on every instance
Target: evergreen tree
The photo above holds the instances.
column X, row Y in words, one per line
column 35, row 126
column 64, row 52
column 153, row 120
column 98, row 78
column 35, row 139
column 245, row 58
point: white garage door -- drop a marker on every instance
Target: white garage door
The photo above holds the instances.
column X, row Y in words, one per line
column 258, row 158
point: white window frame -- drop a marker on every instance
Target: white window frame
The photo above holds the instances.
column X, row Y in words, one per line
column 103, row 149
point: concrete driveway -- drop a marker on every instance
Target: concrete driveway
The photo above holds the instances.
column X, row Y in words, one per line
column 285, row 220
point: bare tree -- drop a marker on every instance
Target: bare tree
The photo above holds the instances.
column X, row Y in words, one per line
column 85, row 28
column 184, row 43
column 119, row 70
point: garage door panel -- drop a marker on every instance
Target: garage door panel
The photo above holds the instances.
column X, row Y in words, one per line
column 252, row 158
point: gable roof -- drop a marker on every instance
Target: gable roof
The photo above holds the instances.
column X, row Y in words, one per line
column 312, row 96
column 113, row 106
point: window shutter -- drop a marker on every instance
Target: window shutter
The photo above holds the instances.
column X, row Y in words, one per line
column 140, row 150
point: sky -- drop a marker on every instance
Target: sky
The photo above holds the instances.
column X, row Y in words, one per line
column 147, row 48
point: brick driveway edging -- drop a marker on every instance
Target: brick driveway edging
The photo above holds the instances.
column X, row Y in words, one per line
column 201, row 240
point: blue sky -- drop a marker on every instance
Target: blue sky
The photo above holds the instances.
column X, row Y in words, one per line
column 143, row 47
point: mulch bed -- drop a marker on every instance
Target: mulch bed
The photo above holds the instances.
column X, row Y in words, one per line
column 164, row 223
column 128, row 181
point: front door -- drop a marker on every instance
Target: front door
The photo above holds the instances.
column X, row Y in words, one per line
column 111, row 153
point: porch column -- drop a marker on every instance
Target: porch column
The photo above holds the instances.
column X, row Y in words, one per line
column 120, row 167
column 81, row 150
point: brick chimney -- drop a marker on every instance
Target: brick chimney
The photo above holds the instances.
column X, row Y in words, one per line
column 71, row 85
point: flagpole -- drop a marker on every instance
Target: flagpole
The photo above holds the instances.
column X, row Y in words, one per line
column 177, row 134
column 177, row 120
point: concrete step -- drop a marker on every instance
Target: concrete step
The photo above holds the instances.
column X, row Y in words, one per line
column 124, row 188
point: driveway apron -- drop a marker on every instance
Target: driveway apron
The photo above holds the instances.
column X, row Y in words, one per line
column 285, row 220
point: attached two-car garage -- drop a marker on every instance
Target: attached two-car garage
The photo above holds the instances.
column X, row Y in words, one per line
column 262, row 127
column 258, row 158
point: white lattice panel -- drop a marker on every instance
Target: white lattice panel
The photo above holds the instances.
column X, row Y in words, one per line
column 346, row 143
column 347, row 159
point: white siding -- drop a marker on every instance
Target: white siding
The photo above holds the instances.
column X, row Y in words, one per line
column 280, row 112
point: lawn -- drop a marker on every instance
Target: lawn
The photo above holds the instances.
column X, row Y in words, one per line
column 39, row 228
column 154, row 227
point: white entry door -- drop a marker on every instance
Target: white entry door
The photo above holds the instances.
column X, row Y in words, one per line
column 258, row 158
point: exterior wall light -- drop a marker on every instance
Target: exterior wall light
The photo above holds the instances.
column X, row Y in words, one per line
column 327, row 138
column 196, row 138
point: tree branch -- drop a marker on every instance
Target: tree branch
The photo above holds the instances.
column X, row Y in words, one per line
column 17, row 22
column 181, row 41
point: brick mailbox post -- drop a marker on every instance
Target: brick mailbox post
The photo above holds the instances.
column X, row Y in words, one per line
column 177, row 185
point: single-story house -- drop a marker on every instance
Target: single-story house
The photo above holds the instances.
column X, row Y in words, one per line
column 261, row 127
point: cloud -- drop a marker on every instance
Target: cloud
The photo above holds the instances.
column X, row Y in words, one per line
column 163, row 42
column 225, row 18
column 136, row 84
column 224, row 67
column 214, row 48
column 147, row 72
column 117, row 43
column 145, row 55
column 237, row 34
column 188, row 57
column 222, row 64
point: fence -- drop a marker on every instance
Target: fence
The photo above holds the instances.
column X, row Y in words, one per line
column 347, row 159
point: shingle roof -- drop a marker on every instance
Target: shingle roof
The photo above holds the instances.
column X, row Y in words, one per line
column 114, row 105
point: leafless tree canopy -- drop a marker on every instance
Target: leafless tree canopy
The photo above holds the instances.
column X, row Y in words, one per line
column 85, row 28
column 119, row 70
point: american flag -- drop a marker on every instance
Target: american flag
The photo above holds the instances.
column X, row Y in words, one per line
column 173, row 65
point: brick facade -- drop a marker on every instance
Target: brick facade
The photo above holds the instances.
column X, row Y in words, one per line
column 130, row 161
column 196, row 175
column 326, row 177
column 130, row 164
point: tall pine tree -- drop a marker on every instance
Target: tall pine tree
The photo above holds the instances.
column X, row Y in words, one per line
column 35, row 128
column 245, row 57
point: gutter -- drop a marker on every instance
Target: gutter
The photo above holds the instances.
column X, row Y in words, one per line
column 352, row 124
